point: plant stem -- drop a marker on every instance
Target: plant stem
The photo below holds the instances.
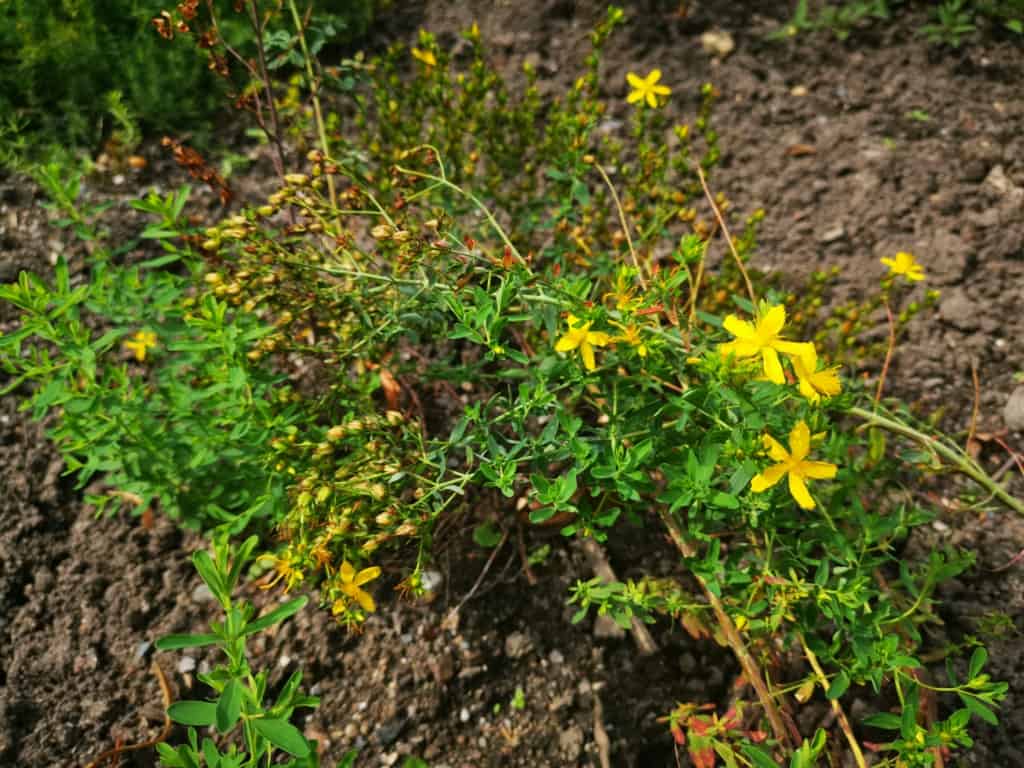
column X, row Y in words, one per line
column 473, row 199
column 844, row 724
column 958, row 458
column 750, row 669
column 265, row 77
column 728, row 238
column 314, row 92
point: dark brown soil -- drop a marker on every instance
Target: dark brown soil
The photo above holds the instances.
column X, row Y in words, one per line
column 82, row 599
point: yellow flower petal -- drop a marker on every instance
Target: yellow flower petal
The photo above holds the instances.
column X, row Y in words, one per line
column 570, row 341
column 652, row 77
column 772, row 322
column 818, row 470
column 741, row 329
column 772, row 366
column 365, row 575
column 798, row 489
column 587, row 352
column 799, row 441
column 347, row 572
column 768, row 478
column 635, row 80
column 364, row 600
column 775, row 450
column 794, row 348
column 739, row 348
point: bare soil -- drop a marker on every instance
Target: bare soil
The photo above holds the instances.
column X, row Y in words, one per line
column 910, row 148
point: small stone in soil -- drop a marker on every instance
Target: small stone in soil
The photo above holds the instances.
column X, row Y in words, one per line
column 186, row 664
column 463, row 715
column 605, row 627
column 556, row 657
column 202, row 594
column 517, row 645
column 959, row 311
column 1013, row 412
column 833, row 234
column 388, row 733
column 570, row 743
column 431, row 580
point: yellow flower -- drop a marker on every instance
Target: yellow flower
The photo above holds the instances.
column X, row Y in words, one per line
column 793, row 463
column 815, row 383
column 762, row 338
column 350, row 583
column 631, row 335
column 624, row 295
column 579, row 336
column 646, row 89
column 286, row 570
column 427, row 57
column 904, row 264
column 142, row 340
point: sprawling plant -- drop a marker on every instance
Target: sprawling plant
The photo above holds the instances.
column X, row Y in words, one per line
column 477, row 290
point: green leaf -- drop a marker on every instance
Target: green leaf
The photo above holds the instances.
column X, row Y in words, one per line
column 486, row 535
column 208, row 572
column 229, row 706
column 884, row 720
column 541, row 515
column 725, row 500
column 979, row 709
column 211, row 754
column 978, row 659
column 908, row 721
column 758, row 757
column 282, row 735
column 839, row 686
column 200, row 713
column 278, row 614
column 349, row 759
column 176, row 642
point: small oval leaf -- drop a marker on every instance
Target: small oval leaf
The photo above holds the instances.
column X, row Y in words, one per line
column 193, row 712
column 282, row 735
column 838, row 687
column 176, row 642
column 229, row 706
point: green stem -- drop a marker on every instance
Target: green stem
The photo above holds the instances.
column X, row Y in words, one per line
column 314, row 88
column 961, row 461
column 473, row 199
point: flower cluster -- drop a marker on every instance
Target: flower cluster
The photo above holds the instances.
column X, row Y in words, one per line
column 762, row 339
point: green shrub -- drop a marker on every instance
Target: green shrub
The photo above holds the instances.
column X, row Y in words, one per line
column 477, row 292
column 952, row 21
column 60, row 60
